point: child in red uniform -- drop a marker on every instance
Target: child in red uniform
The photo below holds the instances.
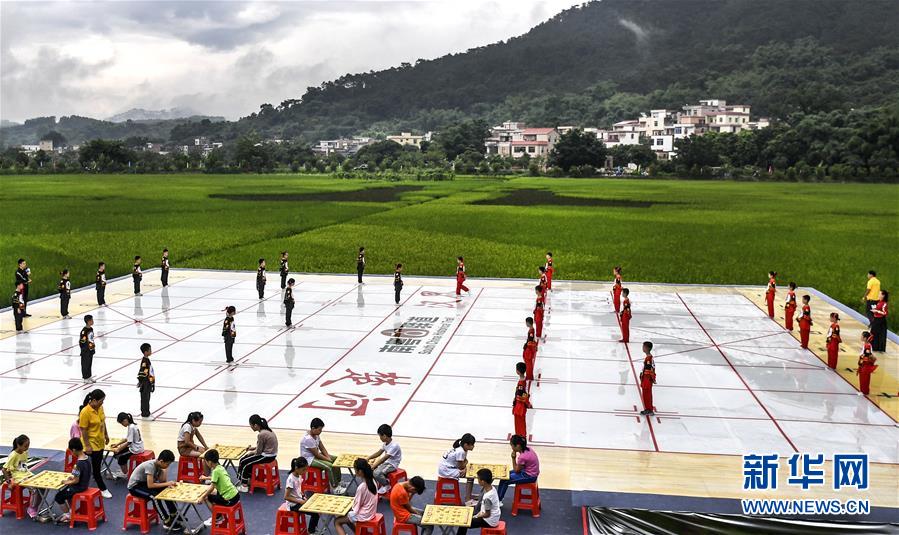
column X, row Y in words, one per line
column 866, row 365
column 460, row 277
column 519, row 410
column 833, row 341
column 647, row 379
column 539, row 307
column 549, row 271
column 616, row 289
column 805, row 321
column 770, row 291
column 625, row 317
column 530, row 349
column 521, row 369
column 543, row 280
column 790, row 307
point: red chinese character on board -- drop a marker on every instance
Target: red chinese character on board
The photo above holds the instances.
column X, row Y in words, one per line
column 376, row 379
column 436, row 304
column 344, row 401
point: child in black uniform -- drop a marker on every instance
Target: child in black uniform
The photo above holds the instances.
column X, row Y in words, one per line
column 229, row 333
column 65, row 293
column 100, row 284
column 288, row 301
column 260, row 278
column 360, row 263
column 136, row 275
column 398, row 282
column 283, row 269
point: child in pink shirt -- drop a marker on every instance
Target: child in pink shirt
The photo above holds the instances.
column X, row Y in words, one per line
column 365, row 503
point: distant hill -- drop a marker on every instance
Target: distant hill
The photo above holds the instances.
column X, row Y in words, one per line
column 4, row 123
column 140, row 114
column 77, row 130
column 606, row 60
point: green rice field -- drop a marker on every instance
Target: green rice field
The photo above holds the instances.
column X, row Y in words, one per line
column 821, row 235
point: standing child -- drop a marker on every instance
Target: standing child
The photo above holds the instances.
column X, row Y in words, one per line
column 360, row 263
column 866, row 365
column 188, row 432
column 18, row 307
column 460, row 277
column 833, row 341
column 124, row 449
column 146, row 380
column 88, row 348
column 77, row 482
column 790, row 307
column 542, row 282
column 100, row 284
column 164, row 277
column 616, row 289
column 283, row 269
column 530, row 349
column 65, row 293
column 770, row 290
column 397, row 282
column 365, row 502
column 455, row 461
column 625, row 316
column 521, row 369
column 16, row 468
column 519, row 411
column 260, row 278
column 294, row 497
column 647, row 379
column 539, row 309
column 229, row 333
column 266, row 450
column 879, row 313
column 220, row 491
column 289, row 303
column 489, row 514
column 316, row 454
column 805, row 321
column 23, row 277
column 137, row 275
column 549, row 271
column 388, row 457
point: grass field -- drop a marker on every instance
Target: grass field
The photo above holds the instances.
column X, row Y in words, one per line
column 821, row 235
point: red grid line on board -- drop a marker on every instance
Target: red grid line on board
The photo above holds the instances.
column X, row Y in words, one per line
column 347, row 352
column 132, row 361
column 823, row 361
column 442, row 350
column 762, row 405
column 809, row 365
column 237, row 361
column 637, row 383
column 74, row 345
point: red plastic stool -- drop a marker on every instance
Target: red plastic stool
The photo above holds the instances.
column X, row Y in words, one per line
column 528, row 501
column 393, row 478
column 71, row 460
column 233, row 520
column 375, row 526
column 447, row 492
column 87, row 507
column 137, row 512
column 265, row 476
column 316, row 480
column 15, row 500
column 137, row 458
column 404, row 529
column 289, row 522
column 190, row 469
column 500, row 529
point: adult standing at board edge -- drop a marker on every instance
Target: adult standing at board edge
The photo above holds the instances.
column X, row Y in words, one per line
column 872, row 294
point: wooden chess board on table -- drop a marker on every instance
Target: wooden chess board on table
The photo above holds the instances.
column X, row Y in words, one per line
column 447, row 515
column 328, row 504
column 346, row 460
column 499, row 471
column 47, row 479
column 230, row 452
column 184, row 493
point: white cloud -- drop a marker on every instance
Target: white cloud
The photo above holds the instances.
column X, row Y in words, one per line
column 225, row 58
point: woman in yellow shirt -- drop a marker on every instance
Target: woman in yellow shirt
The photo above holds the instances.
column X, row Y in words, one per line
column 94, row 435
column 872, row 294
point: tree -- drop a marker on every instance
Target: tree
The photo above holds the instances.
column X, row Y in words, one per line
column 468, row 136
column 576, row 148
column 252, row 155
column 58, row 139
column 640, row 155
column 104, row 155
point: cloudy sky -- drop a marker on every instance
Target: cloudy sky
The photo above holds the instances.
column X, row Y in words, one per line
column 225, row 58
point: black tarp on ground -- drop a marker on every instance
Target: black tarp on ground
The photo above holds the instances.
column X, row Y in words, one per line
column 607, row 521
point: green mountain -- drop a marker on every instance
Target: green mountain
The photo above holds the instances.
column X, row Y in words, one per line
column 603, row 61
